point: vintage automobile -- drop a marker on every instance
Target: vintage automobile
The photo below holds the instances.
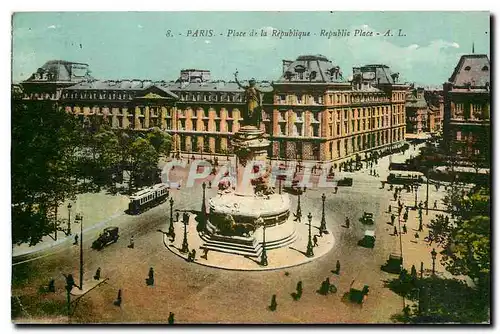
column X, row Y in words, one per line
column 107, row 236
column 367, row 218
column 345, row 182
column 369, row 239
column 393, row 264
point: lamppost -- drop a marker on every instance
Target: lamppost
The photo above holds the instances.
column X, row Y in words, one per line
column 433, row 255
column 427, row 194
column 69, row 218
column 171, row 227
column 415, row 188
column 79, row 218
column 185, row 246
column 322, row 227
column 298, row 214
column 309, row 252
column 203, row 207
column 263, row 258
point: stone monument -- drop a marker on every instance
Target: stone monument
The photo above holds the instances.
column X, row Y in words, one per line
column 236, row 219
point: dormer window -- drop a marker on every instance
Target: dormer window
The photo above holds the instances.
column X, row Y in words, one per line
column 485, row 68
column 312, row 75
column 467, row 68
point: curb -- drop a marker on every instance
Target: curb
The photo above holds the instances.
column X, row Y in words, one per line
column 210, row 265
column 65, row 239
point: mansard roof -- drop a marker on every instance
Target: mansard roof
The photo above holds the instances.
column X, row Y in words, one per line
column 61, row 71
column 311, row 68
column 472, row 70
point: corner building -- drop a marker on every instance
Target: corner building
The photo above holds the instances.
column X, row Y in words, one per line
column 318, row 115
column 467, row 103
column 312, row 114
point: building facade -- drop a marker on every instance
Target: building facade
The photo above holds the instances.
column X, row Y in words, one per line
column 417, row 113
column 312, row 114
column 467, row 97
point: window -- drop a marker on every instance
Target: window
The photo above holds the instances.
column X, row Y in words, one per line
column 467, row 68
column 459, row 135
column 485, row 68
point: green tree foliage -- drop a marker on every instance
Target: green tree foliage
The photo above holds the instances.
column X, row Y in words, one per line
column 160, row 140
column 440, row 300
column 466, row 237
column 43, row 150
column 143, row 163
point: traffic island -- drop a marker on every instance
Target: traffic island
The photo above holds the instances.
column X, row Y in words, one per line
column 291, row 255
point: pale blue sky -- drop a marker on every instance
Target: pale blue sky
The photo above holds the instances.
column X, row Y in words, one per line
column 119, row 45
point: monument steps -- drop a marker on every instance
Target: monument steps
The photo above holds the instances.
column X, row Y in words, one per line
column 252, row 247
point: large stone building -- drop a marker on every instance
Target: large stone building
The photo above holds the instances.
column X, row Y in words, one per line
column 467, row 110
column 312, row 114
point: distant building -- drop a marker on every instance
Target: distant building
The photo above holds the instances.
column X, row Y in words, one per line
column 417, row 114
column 467, row 99
column 314, row 113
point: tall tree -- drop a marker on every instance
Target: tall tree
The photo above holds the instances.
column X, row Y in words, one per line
column 44, row 140
column 143, row 163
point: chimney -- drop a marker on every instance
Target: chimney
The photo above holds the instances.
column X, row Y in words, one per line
column 286, row 63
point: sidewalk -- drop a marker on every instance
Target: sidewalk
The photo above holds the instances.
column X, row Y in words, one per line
column 96, row 209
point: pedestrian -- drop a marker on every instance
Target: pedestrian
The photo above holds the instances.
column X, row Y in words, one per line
column 416, row 235
column 274, row 304
column 435, row 204
column 347, row 222
column 151, row 277
column 118, row 301
column 404, row 229
column 76, row 240
column 177, row 216
column 389, row 208
column 52, row 285
column 172, row 236
column 315, row 240
column 131, row 245
column 393, row 217
column 395, row 231
column 205, row 253
column 70, row 282
column 171, row 318
column 336, row 189
column 337, row 268
column 210, row 184
column 97, row 275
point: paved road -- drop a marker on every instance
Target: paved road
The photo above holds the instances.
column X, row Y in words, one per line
column 199, row 294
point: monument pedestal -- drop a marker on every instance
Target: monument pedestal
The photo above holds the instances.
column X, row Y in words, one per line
column 236, row 220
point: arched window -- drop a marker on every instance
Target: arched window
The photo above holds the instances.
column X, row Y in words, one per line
column 485, row 68
column 467, row 68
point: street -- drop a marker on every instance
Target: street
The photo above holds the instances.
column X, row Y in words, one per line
column 198, row 294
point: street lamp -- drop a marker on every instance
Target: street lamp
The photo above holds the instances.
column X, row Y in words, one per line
column 79, row 218
column 171, row 227
column 203, row 207
column 263, row 258
column 298, row 214
column 69, row 218
column 309, row 252
column 415, row 188
column 433, row 255
column 322, row 227
column 185, row 246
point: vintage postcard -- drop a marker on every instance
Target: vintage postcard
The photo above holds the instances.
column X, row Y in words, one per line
column 251, row 167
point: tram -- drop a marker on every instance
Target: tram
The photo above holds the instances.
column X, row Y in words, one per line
column 147, row 198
